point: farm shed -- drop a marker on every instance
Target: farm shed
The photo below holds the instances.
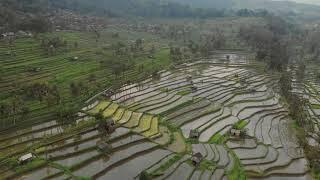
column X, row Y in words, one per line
column 26, row 158
column 196, row 158
column 194, row 134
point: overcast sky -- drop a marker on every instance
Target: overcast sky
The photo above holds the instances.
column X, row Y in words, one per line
column 307, row 1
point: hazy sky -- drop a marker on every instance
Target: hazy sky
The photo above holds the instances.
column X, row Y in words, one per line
column 307, row 1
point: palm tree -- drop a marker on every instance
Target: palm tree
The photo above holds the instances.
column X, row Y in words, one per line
column 16, row 107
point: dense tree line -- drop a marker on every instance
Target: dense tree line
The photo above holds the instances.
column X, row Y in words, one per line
column 269, row 41
column 53, row 44
column 13, row 109
column 33, row 15
column 30, row 6
column 208, row 43
column 312, row 43
column 24, row 15
column 151, row 8
column 252, row 13
column 16, row 108
column 40, row 92
column 295, row 102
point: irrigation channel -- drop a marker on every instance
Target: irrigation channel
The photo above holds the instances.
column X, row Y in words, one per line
column 154, row 119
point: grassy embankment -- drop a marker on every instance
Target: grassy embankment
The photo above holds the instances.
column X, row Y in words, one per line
column 91, row 68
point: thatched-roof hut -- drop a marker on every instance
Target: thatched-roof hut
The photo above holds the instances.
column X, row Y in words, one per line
column 196, row 159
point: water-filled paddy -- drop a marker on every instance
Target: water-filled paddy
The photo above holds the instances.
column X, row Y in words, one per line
column 210, row 97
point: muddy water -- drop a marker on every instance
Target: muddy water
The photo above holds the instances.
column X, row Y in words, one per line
column 217, row 127
column 19, row 132
column 272, row 155
column 99, row 165
column 72, row 160
column 133, row 167
column 40, row 173
column 182, row 172
column 259, row 152
column 196, row 175
column 196, row 124
column 297, row 177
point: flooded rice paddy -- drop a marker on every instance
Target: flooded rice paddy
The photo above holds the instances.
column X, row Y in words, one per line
column 154, row 119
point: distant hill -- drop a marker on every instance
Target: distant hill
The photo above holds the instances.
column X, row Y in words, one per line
column 157, row 8
column 275, row 6
column 219, row 4
column 147, row 8
column 314, row 2
column 280, row 7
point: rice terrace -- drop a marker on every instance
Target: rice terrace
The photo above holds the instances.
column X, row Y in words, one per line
column 176, row 90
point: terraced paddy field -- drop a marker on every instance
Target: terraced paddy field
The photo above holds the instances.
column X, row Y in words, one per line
column 153, row 123
column 308, row 90
column 27, row 63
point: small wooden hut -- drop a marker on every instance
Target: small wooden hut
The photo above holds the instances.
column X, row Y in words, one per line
column 194, row 134
column 196, row 159
column 26, row 158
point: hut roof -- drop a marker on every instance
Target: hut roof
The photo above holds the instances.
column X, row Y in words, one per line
column 26, row 157
column 8, row 34
column 198, row 155
column 196, row 158
column 235, row 131
column 194, row 133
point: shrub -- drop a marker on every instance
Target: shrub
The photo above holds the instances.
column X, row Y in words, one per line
column 144, row 176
